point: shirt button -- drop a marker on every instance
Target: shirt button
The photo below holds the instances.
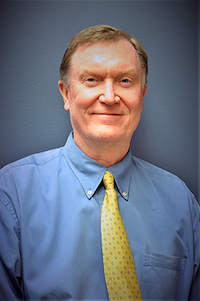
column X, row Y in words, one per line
column 124, row 193
column 89, row 192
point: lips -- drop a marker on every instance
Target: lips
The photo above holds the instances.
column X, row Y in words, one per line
column 108, row 114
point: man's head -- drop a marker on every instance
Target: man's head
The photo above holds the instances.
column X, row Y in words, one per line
column 103, row 84
column 101, row 33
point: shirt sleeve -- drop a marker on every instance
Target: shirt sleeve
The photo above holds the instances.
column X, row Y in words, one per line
column 10, row 258
column 195, row 289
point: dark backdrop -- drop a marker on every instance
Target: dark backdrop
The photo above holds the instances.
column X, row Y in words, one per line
column 33, row 38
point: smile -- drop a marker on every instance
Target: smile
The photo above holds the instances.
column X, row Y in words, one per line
column 108, row 114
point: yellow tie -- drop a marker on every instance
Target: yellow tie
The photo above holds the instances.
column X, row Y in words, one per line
column 119, row 268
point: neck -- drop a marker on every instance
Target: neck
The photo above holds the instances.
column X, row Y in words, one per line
column 106, row 153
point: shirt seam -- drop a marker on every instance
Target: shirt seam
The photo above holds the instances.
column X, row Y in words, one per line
column 5, row 202
column 21, row 164
column 158, row 171
column 192, row 210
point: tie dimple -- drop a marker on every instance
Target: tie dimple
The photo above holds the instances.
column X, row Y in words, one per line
column 119, row 268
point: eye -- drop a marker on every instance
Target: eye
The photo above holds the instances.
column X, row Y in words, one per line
column 91, row 81
column 126, row 82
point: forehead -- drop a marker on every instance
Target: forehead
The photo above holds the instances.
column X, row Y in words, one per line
column 105, row 54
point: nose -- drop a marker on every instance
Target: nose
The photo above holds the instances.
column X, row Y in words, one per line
column 108, row 96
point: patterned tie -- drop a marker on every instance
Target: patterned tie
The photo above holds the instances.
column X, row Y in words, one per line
column 119, row 268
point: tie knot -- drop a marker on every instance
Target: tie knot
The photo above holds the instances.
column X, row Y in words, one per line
column 108, row 180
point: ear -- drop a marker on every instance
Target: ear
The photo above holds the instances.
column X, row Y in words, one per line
column 64, row 92
column 143, row 95
column 144, row 90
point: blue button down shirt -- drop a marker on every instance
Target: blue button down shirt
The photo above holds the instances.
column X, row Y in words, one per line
column 50, row 239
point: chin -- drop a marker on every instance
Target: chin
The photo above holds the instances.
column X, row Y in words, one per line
column 107, row 135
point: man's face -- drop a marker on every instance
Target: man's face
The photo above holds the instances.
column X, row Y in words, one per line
column 105, row 93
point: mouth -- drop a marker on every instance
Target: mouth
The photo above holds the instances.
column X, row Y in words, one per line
column 108, row 114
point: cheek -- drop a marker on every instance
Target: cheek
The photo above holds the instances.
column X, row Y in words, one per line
column 86, row 98
column 90, row 94
column 134, row 104
column 80, row 104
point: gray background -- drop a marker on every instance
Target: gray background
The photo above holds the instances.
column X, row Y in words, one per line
column 33, row 38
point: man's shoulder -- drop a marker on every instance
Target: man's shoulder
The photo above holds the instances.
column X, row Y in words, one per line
column 33, row 160
column 161, row 178
column 167, row 185
column 152, row 169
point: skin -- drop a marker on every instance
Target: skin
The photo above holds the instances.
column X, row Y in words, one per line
column 105, row 99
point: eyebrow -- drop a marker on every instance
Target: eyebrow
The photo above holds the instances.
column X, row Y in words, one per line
column 130, row 71
column 87, row 72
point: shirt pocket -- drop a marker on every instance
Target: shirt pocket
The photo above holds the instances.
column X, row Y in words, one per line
column 162, row 276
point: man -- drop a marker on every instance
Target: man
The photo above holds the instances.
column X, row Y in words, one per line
column 53, row 235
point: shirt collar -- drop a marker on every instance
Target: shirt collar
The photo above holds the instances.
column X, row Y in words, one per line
column 90, row 173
